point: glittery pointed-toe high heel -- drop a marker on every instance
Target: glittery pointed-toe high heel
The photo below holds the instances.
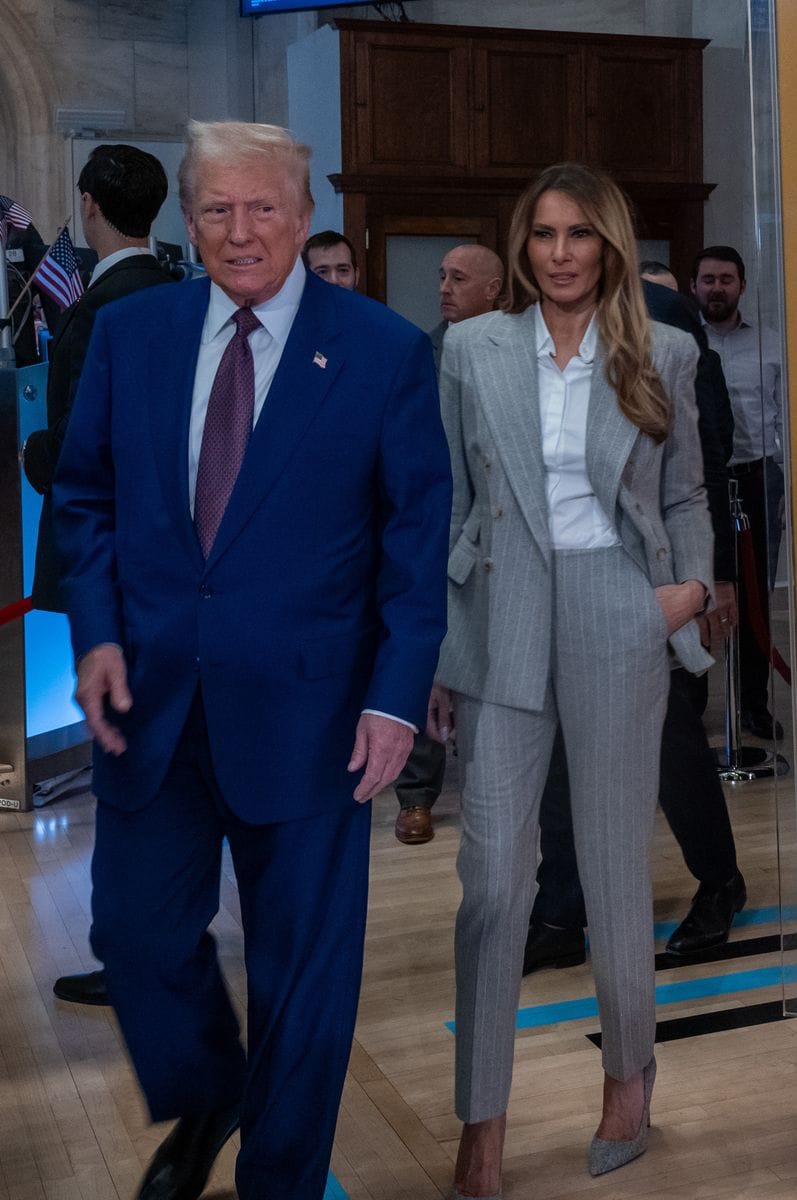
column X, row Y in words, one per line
column 605, row 1155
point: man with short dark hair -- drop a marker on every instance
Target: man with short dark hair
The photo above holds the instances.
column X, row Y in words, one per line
column 751, row 363
column 254, row 496
column 331, row 256
column 121, row 190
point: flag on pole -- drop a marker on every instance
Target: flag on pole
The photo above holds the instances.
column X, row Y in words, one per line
column 58, row 273
column 14, row 214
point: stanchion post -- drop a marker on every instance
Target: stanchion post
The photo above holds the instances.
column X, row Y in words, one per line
column 742, row 763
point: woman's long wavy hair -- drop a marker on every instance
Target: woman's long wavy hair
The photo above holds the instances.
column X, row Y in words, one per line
column 623, row 327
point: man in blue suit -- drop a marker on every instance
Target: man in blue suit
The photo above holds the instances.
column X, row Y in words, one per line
column 254, row 499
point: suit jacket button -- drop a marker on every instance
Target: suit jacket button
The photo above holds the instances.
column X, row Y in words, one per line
column 499, row 512
column 488, row 564
column 205, row 592
column 661, row 553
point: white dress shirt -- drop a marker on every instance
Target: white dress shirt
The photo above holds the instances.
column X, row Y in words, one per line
column 576, row 520
column 111, row 260
column 751, row 361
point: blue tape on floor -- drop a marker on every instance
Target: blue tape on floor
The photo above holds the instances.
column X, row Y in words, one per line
column 333, row 1189
column 666, row 993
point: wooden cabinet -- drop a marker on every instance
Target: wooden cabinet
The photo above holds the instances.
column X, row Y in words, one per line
column 446, row 123
column 449, row 100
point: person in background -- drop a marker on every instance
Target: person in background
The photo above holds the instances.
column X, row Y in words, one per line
column 331, row 256
column 471, row 278
column 751, row 363
column 121, row 190
column 580, row 547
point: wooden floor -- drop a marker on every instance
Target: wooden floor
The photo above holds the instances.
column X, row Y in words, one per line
column 72, row 1125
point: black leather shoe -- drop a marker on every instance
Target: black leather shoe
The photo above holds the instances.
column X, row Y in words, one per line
column 547, row 946
column 182, row 1163
column 759, row 722
column 709, row 919
column 87, row 988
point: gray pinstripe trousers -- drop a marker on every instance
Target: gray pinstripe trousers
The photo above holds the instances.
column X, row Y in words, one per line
column 608, row 686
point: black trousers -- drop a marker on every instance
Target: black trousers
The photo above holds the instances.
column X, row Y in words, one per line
column 760, row 492
column 420, row 783
column 690, row 795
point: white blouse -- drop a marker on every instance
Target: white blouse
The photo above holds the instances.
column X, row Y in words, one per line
column 576, row 519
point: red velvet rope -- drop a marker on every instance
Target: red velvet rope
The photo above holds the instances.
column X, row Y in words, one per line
column 755, row 609
column 12, row 612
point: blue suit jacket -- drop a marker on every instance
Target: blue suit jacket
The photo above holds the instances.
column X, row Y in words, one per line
column 325, row 590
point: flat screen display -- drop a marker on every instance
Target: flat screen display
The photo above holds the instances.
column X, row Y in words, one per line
column 254, row 8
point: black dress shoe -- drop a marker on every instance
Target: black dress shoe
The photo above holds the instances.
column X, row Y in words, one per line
column 759, row 722
column 547, row 946
column 87, row 988
column 182, row 1163
column 709, row 919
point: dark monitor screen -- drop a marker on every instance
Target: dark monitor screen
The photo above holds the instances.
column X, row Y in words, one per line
column 254, row 8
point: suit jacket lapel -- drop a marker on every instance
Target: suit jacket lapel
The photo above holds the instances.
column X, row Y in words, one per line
column 610, row 437
column 513, row 414
column 306, row 371
column 170, row 393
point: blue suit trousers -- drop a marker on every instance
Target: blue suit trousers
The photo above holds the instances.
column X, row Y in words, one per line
column 303, row 894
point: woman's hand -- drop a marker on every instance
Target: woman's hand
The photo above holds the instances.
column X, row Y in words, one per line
column 680, row 602
column 440, row 715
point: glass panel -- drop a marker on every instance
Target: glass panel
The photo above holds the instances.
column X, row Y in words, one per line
column 412, row 266
column 771, row 312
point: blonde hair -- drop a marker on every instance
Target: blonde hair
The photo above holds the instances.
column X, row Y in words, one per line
column 623, row 325
column 241, row 141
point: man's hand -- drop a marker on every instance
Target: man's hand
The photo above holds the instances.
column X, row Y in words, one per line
column 382, row 746
column 718, row 624
column 440, row 717
column 680, row 602
column 100, row 673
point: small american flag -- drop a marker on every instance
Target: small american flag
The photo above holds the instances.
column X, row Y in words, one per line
column 14, row 214
column 319, row 360
column 58, row 274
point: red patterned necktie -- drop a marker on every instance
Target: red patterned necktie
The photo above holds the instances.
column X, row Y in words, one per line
column 228, row 427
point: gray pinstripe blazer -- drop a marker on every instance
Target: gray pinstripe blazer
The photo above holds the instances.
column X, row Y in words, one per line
column 499, row 608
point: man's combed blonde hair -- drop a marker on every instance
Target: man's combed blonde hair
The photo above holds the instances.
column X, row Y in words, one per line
column 622, row 318
column 240, row 141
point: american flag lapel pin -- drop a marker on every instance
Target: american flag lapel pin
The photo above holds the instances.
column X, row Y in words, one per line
column 319, row 360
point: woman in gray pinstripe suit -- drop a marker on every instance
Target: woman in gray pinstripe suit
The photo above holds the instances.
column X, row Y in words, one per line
column 580, row 548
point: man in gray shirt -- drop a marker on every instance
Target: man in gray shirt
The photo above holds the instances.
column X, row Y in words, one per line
column 751, row 363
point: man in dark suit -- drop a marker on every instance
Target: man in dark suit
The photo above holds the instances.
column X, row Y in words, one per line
column 470, row 280
column 253, row 497
column 121, row 189
column 690, row 793
column 121, row 192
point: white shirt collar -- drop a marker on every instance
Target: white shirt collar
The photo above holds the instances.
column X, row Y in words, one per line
column 111, row 260
column 276, row 315
column 545, row 343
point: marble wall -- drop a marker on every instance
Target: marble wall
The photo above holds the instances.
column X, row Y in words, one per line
column 131, row 58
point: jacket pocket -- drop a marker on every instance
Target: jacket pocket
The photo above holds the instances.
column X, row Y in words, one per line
column 462, row 559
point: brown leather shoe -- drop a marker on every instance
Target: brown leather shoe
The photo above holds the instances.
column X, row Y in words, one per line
column 414, row 825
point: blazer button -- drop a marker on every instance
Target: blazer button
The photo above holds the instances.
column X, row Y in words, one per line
column 661, row 553
column 488, row 564
column 499, row 512
column 205, row 592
